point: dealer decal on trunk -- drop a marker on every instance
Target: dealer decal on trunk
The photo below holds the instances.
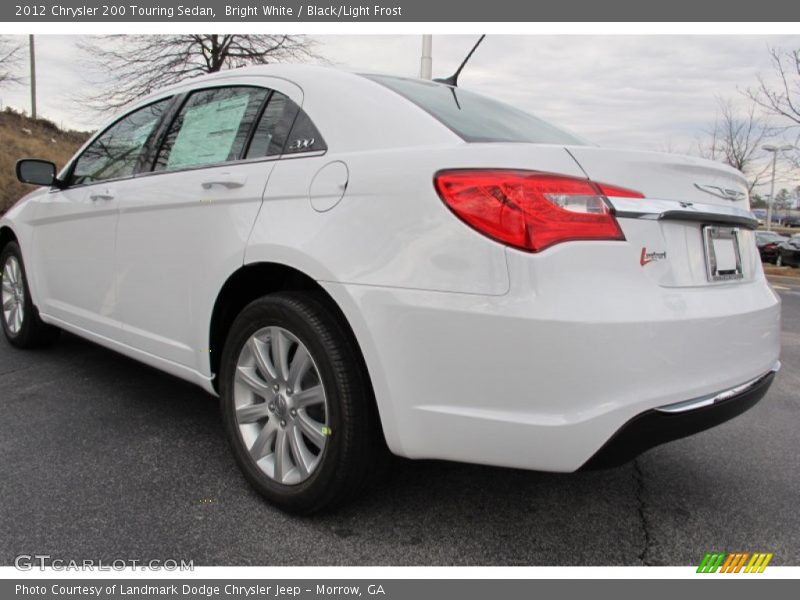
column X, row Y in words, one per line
column 648, row 257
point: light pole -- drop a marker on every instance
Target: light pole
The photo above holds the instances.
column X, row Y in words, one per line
column 426, row 61
column 32, row 52
column 774, row 150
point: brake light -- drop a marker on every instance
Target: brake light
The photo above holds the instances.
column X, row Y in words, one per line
column 530, row 210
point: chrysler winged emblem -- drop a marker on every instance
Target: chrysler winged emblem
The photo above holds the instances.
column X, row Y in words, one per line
column 721, row 192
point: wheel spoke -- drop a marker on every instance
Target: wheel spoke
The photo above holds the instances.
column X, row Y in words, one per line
column 7, row 286
column 312, row 429
column 258, row 348
column 17, row 272
column 303, row 458
column 9, row 303
column 248, row 377
column 280, row 352
column 283, row 462
column 252, row 413
column 309, row 397
column 300, row 365
column 261, row 445
column 11, row 271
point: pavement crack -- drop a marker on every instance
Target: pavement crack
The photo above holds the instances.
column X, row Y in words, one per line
column 638, row 477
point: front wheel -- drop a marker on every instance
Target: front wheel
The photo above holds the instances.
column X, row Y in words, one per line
column 21, row 323
column 297, row 404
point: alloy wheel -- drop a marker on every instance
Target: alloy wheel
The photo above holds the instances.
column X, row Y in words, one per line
column 280, row 405
column 13, row 295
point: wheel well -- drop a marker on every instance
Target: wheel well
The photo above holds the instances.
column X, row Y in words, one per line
column 250, row 283
column 6, row 235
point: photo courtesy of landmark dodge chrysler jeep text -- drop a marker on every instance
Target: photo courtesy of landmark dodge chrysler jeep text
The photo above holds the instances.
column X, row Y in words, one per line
column 359, row 261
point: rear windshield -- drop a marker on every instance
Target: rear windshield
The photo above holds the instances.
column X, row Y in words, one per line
column 474, row 117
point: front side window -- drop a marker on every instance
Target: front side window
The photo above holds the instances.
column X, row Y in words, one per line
column 115, row 153
column 212, row 127
column 476, row 118
column 284, row 128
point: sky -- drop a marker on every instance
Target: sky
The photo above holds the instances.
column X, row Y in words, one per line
column 655, row 92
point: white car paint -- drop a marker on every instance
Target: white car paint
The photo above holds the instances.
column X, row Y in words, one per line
column 477, row 352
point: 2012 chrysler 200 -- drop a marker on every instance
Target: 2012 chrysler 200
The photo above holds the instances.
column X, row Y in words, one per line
column 354, row 261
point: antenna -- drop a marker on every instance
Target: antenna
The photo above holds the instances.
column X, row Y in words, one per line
column 453, row 79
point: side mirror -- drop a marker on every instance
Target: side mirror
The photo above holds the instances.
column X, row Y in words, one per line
column 37, row 172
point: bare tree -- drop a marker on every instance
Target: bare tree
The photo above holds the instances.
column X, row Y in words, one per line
column 735, row 138
column 782, row 96
column 135, row 65
column 10, row 57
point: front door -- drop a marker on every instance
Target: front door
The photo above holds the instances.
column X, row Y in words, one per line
column 73, row 248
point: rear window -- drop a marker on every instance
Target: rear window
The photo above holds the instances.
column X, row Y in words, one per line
column 476, row 118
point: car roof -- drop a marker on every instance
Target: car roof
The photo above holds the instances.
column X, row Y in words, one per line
column 351, row 111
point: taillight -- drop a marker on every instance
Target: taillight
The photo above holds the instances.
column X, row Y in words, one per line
column 530, row 210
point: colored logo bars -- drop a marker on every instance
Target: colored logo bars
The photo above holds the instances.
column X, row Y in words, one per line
column 743, row 562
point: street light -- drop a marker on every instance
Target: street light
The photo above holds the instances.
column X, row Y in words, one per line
column 426, row 62
column 774, row 150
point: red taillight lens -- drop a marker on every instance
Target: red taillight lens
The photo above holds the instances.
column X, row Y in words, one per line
column 530, row 210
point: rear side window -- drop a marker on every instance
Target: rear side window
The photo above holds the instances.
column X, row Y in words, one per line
column 212, row 127
column 304, row 136
column 476, row 118
column 284, row 128
column 116, row 152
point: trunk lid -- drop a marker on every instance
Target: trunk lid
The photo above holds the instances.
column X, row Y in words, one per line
column 693, row 228
column 661, row 176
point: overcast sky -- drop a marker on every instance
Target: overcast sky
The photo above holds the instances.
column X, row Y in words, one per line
column 650, row 92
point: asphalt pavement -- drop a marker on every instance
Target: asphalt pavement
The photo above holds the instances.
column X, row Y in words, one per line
column 108, row 459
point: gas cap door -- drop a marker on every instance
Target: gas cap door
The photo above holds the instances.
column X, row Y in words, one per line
column 328, row 186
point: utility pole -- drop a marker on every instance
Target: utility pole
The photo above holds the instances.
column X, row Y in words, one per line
column 426, row 62
column 33, row 76
column 774, row 150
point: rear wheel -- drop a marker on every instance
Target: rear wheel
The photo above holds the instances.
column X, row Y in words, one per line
column 296, row 403
column 21, row 323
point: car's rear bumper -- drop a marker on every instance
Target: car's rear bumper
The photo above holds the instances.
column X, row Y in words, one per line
column 544, row 376
column 664, row 424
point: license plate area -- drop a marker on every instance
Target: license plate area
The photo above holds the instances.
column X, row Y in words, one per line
column 723, row 259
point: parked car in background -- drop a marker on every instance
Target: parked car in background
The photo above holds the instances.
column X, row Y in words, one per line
column 359, row 261
column 760, row 214
column 767, row 243
column 791, row 221
column 788, row 252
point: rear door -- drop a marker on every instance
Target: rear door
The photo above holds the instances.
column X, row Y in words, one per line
column 183, row 227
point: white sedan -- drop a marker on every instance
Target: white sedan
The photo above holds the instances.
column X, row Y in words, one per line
column 359, row 261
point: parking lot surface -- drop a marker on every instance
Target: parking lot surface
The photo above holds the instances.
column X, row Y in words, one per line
column 107, row 459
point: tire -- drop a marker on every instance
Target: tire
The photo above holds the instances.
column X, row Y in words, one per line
column 302, row 481
column 21, row 323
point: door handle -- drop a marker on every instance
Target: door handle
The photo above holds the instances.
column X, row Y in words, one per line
column 104, row 195
column 226, row 180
